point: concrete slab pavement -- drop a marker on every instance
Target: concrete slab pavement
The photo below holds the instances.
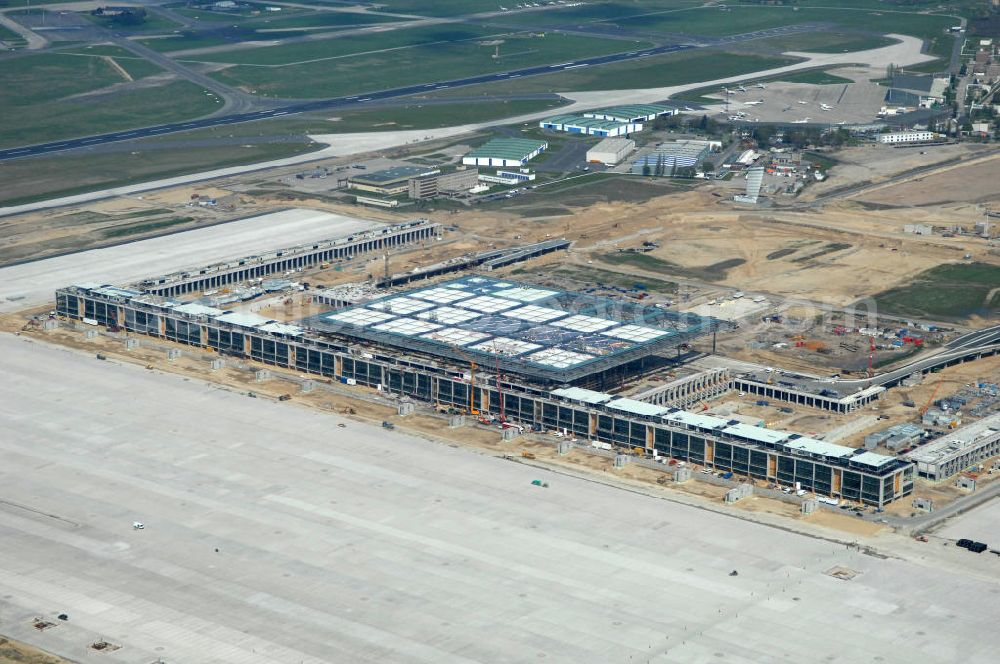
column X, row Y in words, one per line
column 273, row 535
column 34, row 283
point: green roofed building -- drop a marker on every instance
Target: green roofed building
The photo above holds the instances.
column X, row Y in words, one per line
column 578, row 124
column 632, row 113
column 505, row 152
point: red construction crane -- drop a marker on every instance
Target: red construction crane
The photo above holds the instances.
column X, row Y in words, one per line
column 930, row 401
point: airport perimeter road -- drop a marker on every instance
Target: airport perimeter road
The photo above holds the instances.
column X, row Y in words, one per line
column 272, row 535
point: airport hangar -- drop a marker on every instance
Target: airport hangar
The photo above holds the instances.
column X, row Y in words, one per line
column 538, row 352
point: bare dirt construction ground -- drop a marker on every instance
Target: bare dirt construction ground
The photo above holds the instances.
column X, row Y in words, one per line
column 14, row 652
column 972, row 184
column 878, row 163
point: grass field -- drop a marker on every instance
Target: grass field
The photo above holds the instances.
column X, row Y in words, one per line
column 406, row 66
column 740, row 19
column 714, row 272
column 186, row 40
column 43, row 120
column 153, row 23
column 588, row 276
column 11, row 38
column 822, row 41
column 661, row 71
column 136, row 67
column 323, row 20
column 947, row 292
column 28, row 180
column 439, row 36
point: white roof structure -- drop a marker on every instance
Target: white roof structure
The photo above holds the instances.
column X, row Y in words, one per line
column 242, row 319
column 582, row 323
column 819, row 447
column 635, row 333
column 637, row 407
column 558, row 357
column 282, row 328
column 535, row 314
column 582, row 395
column 195, row 309
column 360, row 316
column 756, row 434
column 697, row 420
column 407, row 326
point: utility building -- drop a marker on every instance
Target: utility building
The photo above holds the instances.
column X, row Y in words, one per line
column 907, row 137
column 390, row 181
column 611, row 151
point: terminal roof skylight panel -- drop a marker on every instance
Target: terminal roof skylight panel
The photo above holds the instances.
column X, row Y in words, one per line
column 525, row 294
column 407, row 326
column 505, row 346
column 535, row 314
column 360, row 317
column 441, row 295
column 401, row 305
column 582, row 323
column 547, row 335
column 495, row 324
column 558, row 358
column 487, row 304
column 454, row 336
column 448, row 315
column 636, row 333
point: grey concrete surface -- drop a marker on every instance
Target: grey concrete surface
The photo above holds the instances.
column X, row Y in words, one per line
column 357, row 545
column 35, row 283
column 981, row 524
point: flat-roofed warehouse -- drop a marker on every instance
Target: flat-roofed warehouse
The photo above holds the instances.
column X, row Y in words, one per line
column 390, row 181
column 505, row 152
column 632, row 113
column 668, row 157
column 610, row 151
column 544, row 335
column 578, row 124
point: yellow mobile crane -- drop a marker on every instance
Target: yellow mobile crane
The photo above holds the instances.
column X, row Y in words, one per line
column 472, row 379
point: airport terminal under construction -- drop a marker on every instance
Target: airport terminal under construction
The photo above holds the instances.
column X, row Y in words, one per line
column 515, row 354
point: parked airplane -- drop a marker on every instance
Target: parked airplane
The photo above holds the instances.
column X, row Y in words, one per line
column 741, row 89
column 759, row 85
column 802, row 102
column 826, row 107
column 753, row 103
